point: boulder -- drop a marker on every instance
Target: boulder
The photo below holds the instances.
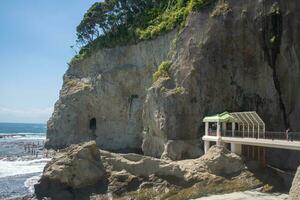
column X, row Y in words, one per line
column 295, row 189
column 70, row 171
column 220, row 161
column 182, row 149
column 133, row 176
column 83, row 172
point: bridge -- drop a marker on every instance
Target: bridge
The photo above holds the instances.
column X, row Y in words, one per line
column 244, row 133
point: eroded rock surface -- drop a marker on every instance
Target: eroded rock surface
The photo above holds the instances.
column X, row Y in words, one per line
column 294, row 193
column 142, row 177
column 220, row 161
column 85, row 172
column 75, row 170
column 102, row 97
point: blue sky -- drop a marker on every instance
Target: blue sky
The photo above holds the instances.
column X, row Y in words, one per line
column 35, row 40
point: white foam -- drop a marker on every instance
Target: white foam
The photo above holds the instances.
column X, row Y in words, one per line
column 12, row 168
column 30, row 182
column 23, row 136
column 31, row 137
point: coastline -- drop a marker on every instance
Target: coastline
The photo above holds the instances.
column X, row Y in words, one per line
column 20, row 166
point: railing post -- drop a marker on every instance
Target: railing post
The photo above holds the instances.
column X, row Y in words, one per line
column 233, row 129
column 218, row 134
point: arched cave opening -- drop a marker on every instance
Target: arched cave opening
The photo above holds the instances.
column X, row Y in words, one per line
column 93, row 124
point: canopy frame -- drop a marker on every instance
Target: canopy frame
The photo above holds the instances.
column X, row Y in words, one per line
column 250, row 122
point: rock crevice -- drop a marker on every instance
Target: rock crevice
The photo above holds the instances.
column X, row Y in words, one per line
column 271, row 39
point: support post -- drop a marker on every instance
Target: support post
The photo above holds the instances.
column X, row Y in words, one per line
column 224, row 129
column 236, row 148
column 233, row 129
column 206, row 146
column 206, row 128
column 218, row 134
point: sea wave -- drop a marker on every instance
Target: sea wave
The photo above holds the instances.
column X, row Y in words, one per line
column 12, row 168
column 22, row 136
column 30, row 182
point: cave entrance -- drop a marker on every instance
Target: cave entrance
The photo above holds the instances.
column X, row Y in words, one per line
column 93, row 124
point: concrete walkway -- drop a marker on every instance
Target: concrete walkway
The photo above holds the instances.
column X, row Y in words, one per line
column 280, row 144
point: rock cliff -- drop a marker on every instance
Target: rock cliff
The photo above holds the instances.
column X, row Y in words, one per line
column 102, row 97
column 236, row 56
column 232, row 55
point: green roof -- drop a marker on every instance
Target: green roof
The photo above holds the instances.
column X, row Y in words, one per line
column 223, row 117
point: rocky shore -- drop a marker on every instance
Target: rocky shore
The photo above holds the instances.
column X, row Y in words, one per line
column 84, row 172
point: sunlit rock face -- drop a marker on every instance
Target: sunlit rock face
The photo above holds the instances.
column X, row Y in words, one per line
column 234, row 56
column 71, row 172
column 102, row 97
column 231, row 55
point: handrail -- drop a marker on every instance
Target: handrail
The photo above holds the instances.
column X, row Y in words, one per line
column 278, row 135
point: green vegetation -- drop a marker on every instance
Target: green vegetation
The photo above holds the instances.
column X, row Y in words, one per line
column 119, row 22
column 223, row 7
column 163, row 70
column 179, row 90
column 75, row 83
column 163, row 89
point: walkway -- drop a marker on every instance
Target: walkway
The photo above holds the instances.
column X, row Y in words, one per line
column 276, row 143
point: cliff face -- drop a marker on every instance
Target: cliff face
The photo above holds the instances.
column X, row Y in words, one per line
column 102, row 97
column 233, row 55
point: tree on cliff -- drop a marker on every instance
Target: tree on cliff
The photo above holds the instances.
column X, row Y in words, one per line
column 113, row 16
column 117, row 22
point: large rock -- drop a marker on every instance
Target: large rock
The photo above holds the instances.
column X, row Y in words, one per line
column 137, row 177
column 220, row 161
column 295, row 189
column 71, row 170
column 81, row 172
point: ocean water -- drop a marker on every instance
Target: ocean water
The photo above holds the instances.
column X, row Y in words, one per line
column 21, row 158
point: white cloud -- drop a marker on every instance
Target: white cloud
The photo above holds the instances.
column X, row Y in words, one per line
column 38, row 115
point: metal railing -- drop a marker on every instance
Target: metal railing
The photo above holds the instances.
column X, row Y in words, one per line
column 282, row 135
column 272, row 135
